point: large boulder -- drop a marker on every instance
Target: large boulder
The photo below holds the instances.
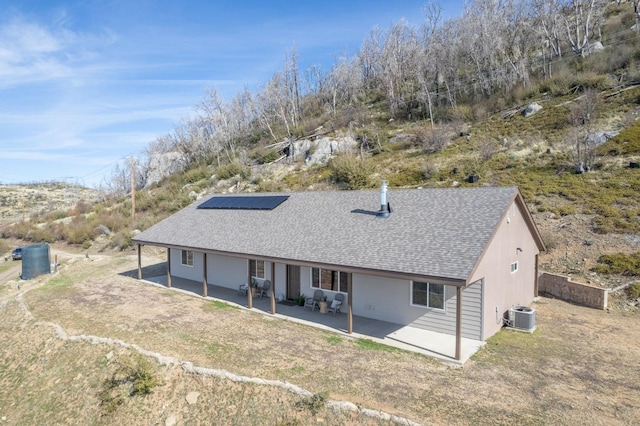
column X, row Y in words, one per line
column 598, row 138
column 593, row 48
column 531, row 109
column 163, row 165
column 320, row 150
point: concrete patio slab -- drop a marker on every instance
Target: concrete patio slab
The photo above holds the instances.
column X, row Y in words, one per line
column 437, row 345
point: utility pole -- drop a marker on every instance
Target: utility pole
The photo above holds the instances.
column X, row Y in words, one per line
column 133, row 190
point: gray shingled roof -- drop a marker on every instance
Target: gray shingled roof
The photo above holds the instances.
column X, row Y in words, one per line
column 431, row 232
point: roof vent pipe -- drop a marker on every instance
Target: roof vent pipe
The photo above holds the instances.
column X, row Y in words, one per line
column 385, row 209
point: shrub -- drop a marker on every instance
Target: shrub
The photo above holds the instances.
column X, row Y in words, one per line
column 195, row 175
column 134, row 375
column 313, row 403
column 592, row 80
column 350, row 171
column 230, row 170
column 269, row 156
column 625, row 143
column 406, row 175
column 431, row 139
column 618, row 263
column 550, row 240
column 430, row 170
column 634, row 291
column 270, row 186
column 121, row 241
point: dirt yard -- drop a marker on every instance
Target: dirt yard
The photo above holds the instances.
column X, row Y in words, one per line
column 579, row 367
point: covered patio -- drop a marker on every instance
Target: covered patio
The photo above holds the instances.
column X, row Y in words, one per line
column 437, row 345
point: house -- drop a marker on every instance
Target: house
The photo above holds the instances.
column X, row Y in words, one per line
column 450, row 260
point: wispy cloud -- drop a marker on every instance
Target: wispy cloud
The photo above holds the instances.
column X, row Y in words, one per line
column 84, row 83
column 32, row 52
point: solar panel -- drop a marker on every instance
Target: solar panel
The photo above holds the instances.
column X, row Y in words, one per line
column 249, row 202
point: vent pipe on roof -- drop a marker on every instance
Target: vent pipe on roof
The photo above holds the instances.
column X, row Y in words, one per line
column 385, row 209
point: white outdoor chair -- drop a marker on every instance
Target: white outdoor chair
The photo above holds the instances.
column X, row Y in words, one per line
column 336, row 304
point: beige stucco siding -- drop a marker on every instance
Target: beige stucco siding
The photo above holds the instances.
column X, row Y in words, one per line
column 512, row 242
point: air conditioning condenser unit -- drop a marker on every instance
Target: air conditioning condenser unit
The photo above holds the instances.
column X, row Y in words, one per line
column 522, row 318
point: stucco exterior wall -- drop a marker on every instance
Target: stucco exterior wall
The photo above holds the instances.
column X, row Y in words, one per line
column 195, row 272
column 503, row 289
column 226, row 271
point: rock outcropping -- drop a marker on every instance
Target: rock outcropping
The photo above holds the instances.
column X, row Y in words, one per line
column 164, row 165
column 320, row 150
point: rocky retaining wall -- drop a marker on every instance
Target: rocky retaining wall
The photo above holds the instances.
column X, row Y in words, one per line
column 562, row 288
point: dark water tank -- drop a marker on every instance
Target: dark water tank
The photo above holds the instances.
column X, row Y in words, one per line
column 35, row 261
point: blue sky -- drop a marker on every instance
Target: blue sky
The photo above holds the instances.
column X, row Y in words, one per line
column 84, row 84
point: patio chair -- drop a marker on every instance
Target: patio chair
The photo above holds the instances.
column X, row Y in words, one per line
column 264, row 289
column 314, row 301
column 243, row 289
column 336, row 303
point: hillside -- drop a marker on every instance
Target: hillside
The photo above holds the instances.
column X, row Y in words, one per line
column 21, row 202
column 581, row 216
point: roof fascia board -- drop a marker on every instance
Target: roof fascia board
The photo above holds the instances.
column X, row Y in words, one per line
column 530, row 222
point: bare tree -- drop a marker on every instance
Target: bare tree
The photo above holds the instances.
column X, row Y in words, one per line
column 222, row 125
column 581, row 115
column 389, row 63
column 369, row 58
column 582, row 20
column 342, row 84
column 429, row 69
column 548, row 22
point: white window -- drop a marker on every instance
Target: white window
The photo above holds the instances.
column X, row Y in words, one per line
column 427, row 295
column 187, row 257
column 514, row 267
column 327, row 279
column 256, row 268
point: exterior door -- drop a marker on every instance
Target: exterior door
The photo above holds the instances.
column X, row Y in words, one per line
column 293, row 282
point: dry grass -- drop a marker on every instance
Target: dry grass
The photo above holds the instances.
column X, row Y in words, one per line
column 577, row 368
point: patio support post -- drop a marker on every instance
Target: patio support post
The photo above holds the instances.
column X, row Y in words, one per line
column 139, row 261
column 350, row 304
column 458, row 322
column 249, row 289
column 273, row 287
column 168, row 267
column 204, row 276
